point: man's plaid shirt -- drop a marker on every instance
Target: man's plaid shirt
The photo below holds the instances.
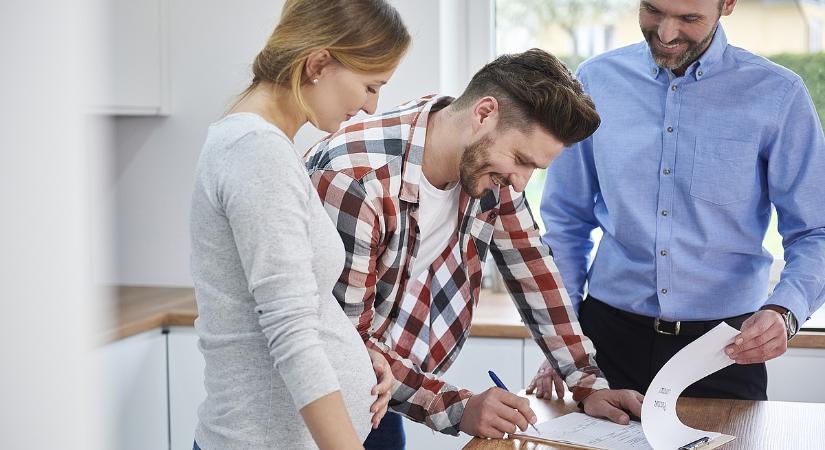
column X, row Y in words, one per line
column 367, row 176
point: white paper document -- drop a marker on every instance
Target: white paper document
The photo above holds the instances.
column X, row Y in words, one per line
column 584, row 431
column 660, row 428
column 699, row 359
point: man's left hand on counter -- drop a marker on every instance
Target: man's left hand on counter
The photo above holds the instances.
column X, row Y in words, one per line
column 544, row 381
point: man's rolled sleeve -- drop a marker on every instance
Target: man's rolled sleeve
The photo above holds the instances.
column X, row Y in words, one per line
column 537, row 290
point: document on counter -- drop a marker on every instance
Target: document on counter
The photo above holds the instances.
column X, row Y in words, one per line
column 583, row 431
column 697, row 360
column 660, row 428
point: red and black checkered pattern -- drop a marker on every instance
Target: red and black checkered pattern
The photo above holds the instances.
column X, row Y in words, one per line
column 367, row 176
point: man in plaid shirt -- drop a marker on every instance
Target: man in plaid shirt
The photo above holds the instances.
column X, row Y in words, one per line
column 420, row 196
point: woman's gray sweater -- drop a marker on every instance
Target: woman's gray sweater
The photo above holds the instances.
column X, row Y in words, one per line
column 265, row 257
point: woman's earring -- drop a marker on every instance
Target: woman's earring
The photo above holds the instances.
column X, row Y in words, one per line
column 314, row 81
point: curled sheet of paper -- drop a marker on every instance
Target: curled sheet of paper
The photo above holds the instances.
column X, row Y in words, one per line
column 699, row 359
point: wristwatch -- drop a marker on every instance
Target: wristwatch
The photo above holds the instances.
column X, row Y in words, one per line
column 791, row 324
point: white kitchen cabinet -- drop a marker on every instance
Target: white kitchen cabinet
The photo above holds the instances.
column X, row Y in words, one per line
column 134, row 60
column 186, row 391
column 134, row 392
column 502, row 356
column 797, row 376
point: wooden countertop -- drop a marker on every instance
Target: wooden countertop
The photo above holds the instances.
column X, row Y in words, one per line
column 756, row 424
column 142, row 308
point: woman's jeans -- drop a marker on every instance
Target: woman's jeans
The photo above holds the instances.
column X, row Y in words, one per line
column 389, row 435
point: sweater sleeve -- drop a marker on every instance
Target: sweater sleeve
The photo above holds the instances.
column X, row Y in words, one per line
column 264, row 192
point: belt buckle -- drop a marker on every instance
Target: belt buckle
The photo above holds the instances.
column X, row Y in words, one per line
column 675, row 331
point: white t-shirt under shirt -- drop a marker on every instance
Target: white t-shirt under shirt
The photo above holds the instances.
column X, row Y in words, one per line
column 437, row 222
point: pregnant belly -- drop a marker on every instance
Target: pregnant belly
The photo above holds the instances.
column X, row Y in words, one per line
column 349, row 357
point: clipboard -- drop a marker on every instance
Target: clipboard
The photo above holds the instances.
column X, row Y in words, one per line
column 717, row 442
column 713, row 443
column 579, row 430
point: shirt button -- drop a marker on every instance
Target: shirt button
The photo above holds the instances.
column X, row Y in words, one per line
column 673, row 88
column 670, row 129
column 664, row 290
column 700, row 73
column 666, row 171
column 664, row 212
column 663, row 252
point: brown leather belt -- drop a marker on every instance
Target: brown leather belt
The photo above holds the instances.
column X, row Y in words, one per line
column 678, row 328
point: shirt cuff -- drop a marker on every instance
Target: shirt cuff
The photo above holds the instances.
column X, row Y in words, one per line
column 447, row 408
column 784, row 296
column 581, row 392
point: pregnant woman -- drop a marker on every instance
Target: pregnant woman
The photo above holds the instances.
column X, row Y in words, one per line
column 285, row 368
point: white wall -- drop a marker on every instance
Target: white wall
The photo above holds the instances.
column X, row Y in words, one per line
column 212, row 44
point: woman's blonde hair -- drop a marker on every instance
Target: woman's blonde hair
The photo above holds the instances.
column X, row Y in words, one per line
column 365, row 36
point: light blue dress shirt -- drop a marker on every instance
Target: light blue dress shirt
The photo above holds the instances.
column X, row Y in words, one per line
column 680, row 176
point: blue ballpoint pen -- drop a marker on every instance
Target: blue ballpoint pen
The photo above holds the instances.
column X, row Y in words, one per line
column 501, row 385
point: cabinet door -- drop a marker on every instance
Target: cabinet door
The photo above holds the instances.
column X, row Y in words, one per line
column 135, row 59
column 134, row 392
column 796, row 376
column 186, row 391
column 502, row 356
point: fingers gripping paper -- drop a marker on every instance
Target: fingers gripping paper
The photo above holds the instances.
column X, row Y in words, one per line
column 699, row 359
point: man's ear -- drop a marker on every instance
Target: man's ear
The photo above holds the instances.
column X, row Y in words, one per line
column 316, row 64
column 727, row 7
column 485, row 114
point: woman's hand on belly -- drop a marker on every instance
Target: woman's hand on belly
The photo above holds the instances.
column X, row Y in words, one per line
column 383, row 389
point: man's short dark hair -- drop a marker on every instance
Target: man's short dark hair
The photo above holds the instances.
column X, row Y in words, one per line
column 535, row 87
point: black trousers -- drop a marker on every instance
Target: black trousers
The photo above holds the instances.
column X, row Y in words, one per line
column 630, row 354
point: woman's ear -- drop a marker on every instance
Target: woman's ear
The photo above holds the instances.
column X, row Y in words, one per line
column 316, row 63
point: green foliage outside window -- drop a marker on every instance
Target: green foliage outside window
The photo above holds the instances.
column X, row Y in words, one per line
column 811, row 67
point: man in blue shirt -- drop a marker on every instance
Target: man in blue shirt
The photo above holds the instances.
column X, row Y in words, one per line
column 698, row 140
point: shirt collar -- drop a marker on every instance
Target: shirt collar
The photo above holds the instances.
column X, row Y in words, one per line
column 414, row 153
column 702, row 66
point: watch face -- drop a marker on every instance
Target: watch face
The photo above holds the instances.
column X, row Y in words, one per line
column 793, row 325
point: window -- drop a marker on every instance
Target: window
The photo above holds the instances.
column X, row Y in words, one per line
column 573, row 30
column 815, row 38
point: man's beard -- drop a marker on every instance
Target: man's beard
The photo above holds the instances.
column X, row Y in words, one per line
column 474, row 160
column 692, row 53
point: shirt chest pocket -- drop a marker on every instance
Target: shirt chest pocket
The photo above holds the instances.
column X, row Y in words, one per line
column 724, row 170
